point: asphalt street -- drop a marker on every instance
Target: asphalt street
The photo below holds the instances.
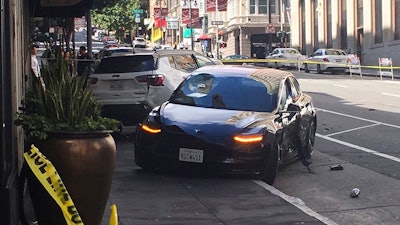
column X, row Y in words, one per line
column 167, row 197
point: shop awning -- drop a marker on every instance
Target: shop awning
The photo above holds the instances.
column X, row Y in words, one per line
column 62, row 9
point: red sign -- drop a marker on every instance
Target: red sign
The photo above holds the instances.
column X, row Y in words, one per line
column 211, row 4
column 194, row 15
column 162, row 13
column 269, row 28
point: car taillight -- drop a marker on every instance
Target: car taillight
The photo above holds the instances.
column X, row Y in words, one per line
column 248, row 139
column 326, row 59
column 153, row 80
column 93, row 80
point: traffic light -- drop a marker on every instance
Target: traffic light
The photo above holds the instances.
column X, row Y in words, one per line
column 222, row 44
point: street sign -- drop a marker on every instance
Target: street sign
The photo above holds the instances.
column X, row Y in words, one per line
column 137, row 18
column 217, row 22
column 136, row 11
column 172, row 25
column 269, row 28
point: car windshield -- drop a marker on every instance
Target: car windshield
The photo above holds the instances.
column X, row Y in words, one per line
column 334, row 52
column 290, row 51
column 230, row 92
column 126, row 64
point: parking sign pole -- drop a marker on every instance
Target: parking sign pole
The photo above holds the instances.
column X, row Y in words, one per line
column 216, row 14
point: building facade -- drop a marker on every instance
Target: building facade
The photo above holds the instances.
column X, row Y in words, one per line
column 247, row 27
column 15, row 66
column 368, row 28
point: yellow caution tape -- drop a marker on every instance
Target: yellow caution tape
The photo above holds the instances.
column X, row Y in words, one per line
column 114, row 215
column 49, row 178
column 227, row 61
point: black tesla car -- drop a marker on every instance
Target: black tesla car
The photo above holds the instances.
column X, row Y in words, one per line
column 231, row 118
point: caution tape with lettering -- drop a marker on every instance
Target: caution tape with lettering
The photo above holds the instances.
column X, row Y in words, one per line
column 51, row 181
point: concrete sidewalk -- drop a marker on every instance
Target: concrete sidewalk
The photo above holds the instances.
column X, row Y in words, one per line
column 169, row 198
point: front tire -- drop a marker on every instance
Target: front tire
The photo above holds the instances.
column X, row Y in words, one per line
column 306, row 68
column 319, row 69
column 310, row 141
column 270, row 165
column 144, row 160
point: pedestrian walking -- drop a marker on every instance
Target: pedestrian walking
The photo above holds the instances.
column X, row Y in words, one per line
column 84, row 62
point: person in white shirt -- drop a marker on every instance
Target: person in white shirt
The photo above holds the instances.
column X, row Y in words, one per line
column 34, row 62
column 35, row 65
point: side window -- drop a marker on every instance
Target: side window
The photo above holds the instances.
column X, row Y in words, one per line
column 288, row 95
column 284, row 96
column 203, row 61
column 296, row 87
column 171, row 61
column 185, row 63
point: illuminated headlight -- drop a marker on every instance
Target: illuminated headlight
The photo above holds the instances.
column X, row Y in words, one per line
column 150, row 129
column 248, row 139
column 250, row 136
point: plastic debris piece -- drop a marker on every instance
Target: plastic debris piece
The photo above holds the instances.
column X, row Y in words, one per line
column 355, row 192
column 337, row 167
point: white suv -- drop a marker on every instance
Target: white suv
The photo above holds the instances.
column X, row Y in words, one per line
column 129, row 86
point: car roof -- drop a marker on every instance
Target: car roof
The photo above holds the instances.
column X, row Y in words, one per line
column 160, row 52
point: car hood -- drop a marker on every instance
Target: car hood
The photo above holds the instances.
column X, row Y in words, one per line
column 211, row 122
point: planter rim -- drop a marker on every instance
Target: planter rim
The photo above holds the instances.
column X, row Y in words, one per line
column 80, row 133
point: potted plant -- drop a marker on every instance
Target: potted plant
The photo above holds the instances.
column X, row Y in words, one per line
column 63, row 120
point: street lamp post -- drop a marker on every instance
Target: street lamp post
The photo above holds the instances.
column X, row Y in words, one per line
column 191, row 24
column 191, row 20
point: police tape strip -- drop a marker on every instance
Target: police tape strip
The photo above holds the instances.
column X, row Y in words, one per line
column 227, row 61
column 49, row 178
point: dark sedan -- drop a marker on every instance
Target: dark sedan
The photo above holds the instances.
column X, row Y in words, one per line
column 231, row 118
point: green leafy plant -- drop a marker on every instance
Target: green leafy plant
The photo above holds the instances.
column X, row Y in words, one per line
column 63, row 104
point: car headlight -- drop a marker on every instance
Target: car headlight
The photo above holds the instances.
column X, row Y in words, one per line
column 150, row 128
column 248, row 139
column 250, row 135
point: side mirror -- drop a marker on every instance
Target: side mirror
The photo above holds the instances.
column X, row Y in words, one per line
column 293, row 108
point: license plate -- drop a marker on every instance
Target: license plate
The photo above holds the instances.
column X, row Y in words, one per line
column 116, row 85
column 191, row 155
column 339, row 60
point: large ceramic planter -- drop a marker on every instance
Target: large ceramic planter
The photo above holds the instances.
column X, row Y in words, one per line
column 85, row 162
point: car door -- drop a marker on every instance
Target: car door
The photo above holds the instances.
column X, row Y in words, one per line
column 315, row 59
column 289, row 117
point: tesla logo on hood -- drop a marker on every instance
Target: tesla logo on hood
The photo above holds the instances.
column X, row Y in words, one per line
column 198, row 131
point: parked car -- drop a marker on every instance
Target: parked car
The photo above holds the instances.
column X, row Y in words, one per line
column 113, row 50
column 285, row 57
column 246, row 120
column 235, row 57
column 327, row 60
column 237, row 60
column 159, row 47
column 139, row 42
column 128, row 86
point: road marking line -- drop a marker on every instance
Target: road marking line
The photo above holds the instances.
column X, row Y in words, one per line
column 295, row 202
column 349, row 130
column 367, row 150
column 342, row 86
column 391, row 95
column 359, row 118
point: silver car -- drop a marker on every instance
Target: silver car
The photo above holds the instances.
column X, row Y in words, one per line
column 129, row 86
column 327, row 60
